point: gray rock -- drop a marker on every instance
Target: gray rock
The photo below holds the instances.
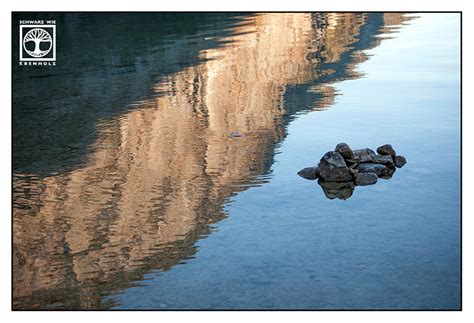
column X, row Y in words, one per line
column 353, row 166
column 364, row 155
column 377, row 169
column 333, row 168
column 340, row 190
column 384, row 160
column 363, row 179
column 334, row 158
column 310, row 173
column 353, row 171
column 389, row 174
column 236, row 134
column 386, row 150
column 353, row 160
column 344, row 150
column 400, row 161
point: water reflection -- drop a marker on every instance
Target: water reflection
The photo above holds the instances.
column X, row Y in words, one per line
column 340, row 190
column 344, row 190
column 155, row 176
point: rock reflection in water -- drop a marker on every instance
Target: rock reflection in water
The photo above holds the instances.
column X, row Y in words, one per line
column 344, row 190
column 340, row 190
column 157, row 176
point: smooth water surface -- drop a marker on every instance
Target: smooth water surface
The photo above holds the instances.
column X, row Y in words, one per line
column 164, row 177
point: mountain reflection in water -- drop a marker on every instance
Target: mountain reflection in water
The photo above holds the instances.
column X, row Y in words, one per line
column 134, row 192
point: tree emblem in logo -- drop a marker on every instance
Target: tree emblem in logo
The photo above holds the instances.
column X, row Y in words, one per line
column 38, row 36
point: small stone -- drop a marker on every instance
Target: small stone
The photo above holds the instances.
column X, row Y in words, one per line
column 353, row 160
column 384, row 160
column 344, row 150
column 386, row 150
column 364, row 155
column 389, row 174
column 334, row 159
column 353, row 171
column 310, row 173
column 353, row 166
column 400, row 161
column 363, row 179
column 377, row 169
column 333, row 168
column 236, row 134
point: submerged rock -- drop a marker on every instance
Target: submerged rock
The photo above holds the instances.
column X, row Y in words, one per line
column 377, row 169
column 363, row 179
column 386, row 150
column 400, row 161
column 344, row 149
column 236, row 134
column 340, row 190
column 310, row 173
column 332, row 168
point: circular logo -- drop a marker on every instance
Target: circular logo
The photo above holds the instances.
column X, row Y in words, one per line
column 42, row 42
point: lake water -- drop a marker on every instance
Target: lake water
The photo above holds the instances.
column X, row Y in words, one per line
column 155, row 166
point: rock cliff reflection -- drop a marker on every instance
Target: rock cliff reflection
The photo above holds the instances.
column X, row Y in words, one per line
column 158, row 175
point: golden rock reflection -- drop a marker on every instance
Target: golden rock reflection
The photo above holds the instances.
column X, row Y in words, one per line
column 159, row 174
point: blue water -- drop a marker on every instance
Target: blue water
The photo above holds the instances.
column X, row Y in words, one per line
column 393, row 245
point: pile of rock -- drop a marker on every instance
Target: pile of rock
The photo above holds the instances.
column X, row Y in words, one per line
column 360, row 167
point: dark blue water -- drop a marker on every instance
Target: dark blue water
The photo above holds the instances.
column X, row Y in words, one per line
column 160, row 170
column 392, row 245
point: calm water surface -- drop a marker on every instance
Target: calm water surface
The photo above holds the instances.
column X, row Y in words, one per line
column 133, row 191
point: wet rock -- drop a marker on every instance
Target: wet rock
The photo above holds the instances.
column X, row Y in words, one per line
column 345, row 151
column 334, row 159
column 364, row 155
column 363, row 179
column 384, row 160
column 340, row 190
column 353, row 160
column 389, row 174
column 353, row 171
column 333, row 168
column 377, row 169
column 353, row 168
column 400, row 161
column 386, row 150
column 310, row 173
